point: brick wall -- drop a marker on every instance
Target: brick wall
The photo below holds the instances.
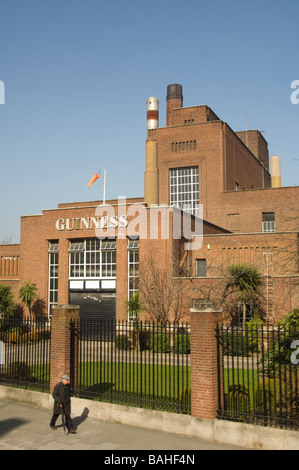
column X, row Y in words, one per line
column 250, row 205
column 222, row 159
column 204, row 370
column 192, row 115
column 10, row 267
column 242, row 166
column 274, row 254
column 254, row 140
column 61, row 362
column 9, row 261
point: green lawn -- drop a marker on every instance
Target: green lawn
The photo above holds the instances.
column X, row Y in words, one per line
column 249, row 378
column 147, row 379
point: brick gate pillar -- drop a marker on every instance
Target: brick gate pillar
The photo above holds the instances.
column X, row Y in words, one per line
column 204, row 362
column 63, row 351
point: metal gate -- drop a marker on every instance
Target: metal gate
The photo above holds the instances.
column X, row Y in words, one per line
column 96, row 305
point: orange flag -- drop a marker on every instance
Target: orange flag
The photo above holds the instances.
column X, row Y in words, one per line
column 93, row 179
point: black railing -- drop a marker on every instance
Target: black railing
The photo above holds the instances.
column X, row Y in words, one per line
column 259, row 376
column 134, row 363
column 25, row 353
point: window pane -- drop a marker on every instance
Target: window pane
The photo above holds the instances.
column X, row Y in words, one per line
column 184, row 189
column 201, row 268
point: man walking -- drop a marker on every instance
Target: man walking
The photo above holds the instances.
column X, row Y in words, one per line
column 62, row 404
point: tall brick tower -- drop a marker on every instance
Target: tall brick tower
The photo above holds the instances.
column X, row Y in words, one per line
column 174, row 100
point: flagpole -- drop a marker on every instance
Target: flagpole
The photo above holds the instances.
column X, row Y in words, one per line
column 104, row 190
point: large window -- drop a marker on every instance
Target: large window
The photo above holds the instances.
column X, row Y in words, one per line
column 77, row 256
column 133, row 266
column 53, row 275
column 93, row 258
column 184, row 189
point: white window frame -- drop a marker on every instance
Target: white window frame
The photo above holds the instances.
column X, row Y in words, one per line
column 92, row 259
column 53, row 275
column 268, row 225
column 133, row 268
column 184, row 189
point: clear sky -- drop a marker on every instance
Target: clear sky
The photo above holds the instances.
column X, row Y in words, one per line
column 77, row 74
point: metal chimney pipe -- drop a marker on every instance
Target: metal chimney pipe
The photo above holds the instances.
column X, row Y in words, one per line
column 275, row 171
column 152, row 113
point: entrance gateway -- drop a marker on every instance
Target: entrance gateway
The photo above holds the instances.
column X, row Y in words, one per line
column 92, row 278
column 95, row 305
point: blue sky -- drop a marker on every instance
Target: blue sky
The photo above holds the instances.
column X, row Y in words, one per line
column 77, row 75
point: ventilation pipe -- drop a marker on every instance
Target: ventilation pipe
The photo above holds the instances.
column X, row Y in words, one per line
column 151, row 175
column 275, row 171
column 152, row 113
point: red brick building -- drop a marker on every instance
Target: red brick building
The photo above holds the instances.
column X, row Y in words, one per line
column 83, row 253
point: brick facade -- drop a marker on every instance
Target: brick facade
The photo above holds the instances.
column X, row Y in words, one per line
column 234, row 189
column 274, row 254
column 10, row 267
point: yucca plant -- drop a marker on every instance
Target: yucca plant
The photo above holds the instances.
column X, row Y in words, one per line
column 134, row 306
column 246, row 281
column 27, row 294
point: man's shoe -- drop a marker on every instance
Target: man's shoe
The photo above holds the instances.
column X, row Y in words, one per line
column 72, row 431
column 54, row 428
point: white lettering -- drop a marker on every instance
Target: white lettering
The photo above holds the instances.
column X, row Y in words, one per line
column 294, row 358
column 138, row 224
column 123, row 221
column 85, row 223
column 197, row 233
column 2, row 92
column 94, row 221
column 156, row 222
column 295, row 94
column 104, row 222
column 114, row 460
column 106, row 214
column 60, row 225
column 68, row 226
column 171, row 459
column 122, row 217
column 159, row 222
column 2, row 353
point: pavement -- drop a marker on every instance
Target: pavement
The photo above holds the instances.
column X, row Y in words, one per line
column 26, row 427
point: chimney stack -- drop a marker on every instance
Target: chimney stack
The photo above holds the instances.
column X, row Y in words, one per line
column 151, row 175
column 152, row 113
column 275, row 171
column 174, row 100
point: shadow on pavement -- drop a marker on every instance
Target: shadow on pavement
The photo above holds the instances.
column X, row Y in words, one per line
column 8, row 425
column 79, row 419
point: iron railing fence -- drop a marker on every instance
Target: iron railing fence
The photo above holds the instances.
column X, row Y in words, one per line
column 138, row 364
column 25, row 353
column 259, row 376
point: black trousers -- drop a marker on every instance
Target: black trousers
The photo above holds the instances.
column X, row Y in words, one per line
column 69, row 422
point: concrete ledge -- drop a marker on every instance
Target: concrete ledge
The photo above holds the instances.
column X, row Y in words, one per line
column 226, row 432
column 42, row 400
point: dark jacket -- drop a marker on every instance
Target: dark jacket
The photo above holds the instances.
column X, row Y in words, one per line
column 61, row 395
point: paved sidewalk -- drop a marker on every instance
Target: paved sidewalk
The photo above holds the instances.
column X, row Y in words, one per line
column 26, row 427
